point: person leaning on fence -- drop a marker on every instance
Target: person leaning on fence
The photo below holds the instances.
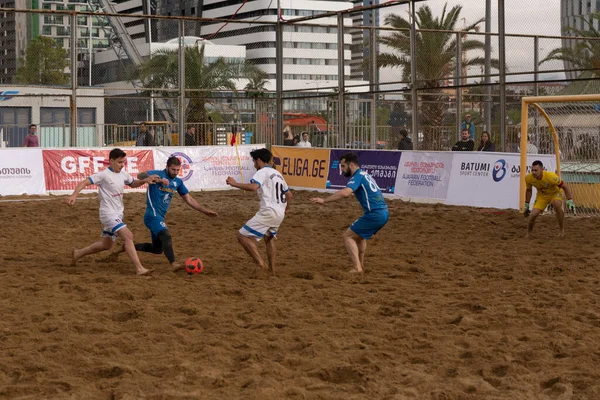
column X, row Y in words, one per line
column 466, row 144
column 31, row 140
column 405, row 142
column 144, row 138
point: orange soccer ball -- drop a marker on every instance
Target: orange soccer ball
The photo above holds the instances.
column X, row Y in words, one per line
column 194, row 265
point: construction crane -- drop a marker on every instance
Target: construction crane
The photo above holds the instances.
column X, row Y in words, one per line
column 122, row 42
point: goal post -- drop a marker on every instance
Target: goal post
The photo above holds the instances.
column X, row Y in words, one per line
column 569, row 128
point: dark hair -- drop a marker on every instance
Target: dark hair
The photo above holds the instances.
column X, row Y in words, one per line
column 464, row 130
column 538, row 163
column 350, row 158
column 32, row 126
column 403, row 132
column 116, row 153
column 142, row 123
column 173, row 161
column 261, row 154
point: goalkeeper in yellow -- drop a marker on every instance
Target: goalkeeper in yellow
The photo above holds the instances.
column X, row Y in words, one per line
column 549, row 191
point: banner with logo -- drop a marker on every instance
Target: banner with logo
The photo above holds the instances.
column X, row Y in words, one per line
column 424, row 175
column 207, row 167
column 21, row 172
column 481, row 179
column 301, row 166
column 65, row 168
column 381, row 165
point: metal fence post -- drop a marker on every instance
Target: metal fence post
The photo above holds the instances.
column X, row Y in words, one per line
column 458, row 83
column 502, row 71
column 74, row 65
column 413, row 77
column 181, row 124
column 341, row 117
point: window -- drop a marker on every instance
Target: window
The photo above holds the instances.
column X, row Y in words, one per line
column 82, row 20
column 47, row 30
column 193, row 11
column 47, row 6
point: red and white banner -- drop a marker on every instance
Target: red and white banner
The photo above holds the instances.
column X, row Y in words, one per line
column 207, row 167
column 482, row 179
column 65, row 168
column 423, row 175
column 21, row 172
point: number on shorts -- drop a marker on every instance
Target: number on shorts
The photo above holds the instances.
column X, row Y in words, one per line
column 279, row 193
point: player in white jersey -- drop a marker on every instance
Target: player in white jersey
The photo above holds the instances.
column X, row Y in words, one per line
column 111, row 184
column 275, row 198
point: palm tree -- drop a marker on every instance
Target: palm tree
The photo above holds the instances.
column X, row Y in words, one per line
column 585, row 55
column 257, row 82
column 204, row 78
column 436, row 57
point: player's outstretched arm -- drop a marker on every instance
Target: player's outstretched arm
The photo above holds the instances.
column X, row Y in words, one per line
column 340, row 194
column 73, row 197
column 196, row 206
column 250, row 187
column 149, row 179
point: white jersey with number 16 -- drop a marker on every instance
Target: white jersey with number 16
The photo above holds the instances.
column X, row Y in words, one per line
column 272, row 189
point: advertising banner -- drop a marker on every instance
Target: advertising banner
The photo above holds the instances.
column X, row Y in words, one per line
column 482, row 179
column 65, row 168
column 21, row 172
column 381, row 165
column 207, row 167
column 301, row 166
column 424, row 175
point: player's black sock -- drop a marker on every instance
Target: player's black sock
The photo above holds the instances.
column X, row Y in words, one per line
column 167, row 245
column 148, row 248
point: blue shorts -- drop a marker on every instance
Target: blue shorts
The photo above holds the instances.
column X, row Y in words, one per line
column 155, row 224
column 370, row 223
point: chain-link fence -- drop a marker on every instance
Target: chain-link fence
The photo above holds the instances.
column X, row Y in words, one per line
column 350, row 78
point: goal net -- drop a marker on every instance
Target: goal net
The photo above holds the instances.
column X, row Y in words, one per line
column 569, row 127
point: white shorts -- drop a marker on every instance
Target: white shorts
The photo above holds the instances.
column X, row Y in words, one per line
column 111, row 225
column 264, row 222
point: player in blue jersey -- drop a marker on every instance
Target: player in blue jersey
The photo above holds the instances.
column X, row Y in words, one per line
column 370, row 198
column 158, row 199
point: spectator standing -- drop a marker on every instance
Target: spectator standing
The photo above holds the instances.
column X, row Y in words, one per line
column 144, row 138
column 31, row 140
column 190, row 136
column 486, row 143
column 304, row 142
column 469, row 126
column 288, row 136
column 405, row 142
column 466, row 144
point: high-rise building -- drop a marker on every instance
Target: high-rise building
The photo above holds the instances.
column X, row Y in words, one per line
column 13, row 37
column 573, row 14
column 310, row 51
column 361, row 38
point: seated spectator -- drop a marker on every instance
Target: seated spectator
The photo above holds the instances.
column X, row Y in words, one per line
column 296, row 140
column 486, row 143
column 405, row 142
column 466, row 144
column 304, row 142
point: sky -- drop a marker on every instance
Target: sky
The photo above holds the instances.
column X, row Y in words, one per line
column 528, row 17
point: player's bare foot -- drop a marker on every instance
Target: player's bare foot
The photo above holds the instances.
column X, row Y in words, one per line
column 176, row 267
column 144, row 271
column 355, row 271
column 561, row 234
column 527, row 235
column 74, row 257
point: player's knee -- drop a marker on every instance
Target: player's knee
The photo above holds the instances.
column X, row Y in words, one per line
column 165, row 238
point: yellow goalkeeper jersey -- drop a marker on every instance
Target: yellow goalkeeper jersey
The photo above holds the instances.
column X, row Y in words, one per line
column 549, row 184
